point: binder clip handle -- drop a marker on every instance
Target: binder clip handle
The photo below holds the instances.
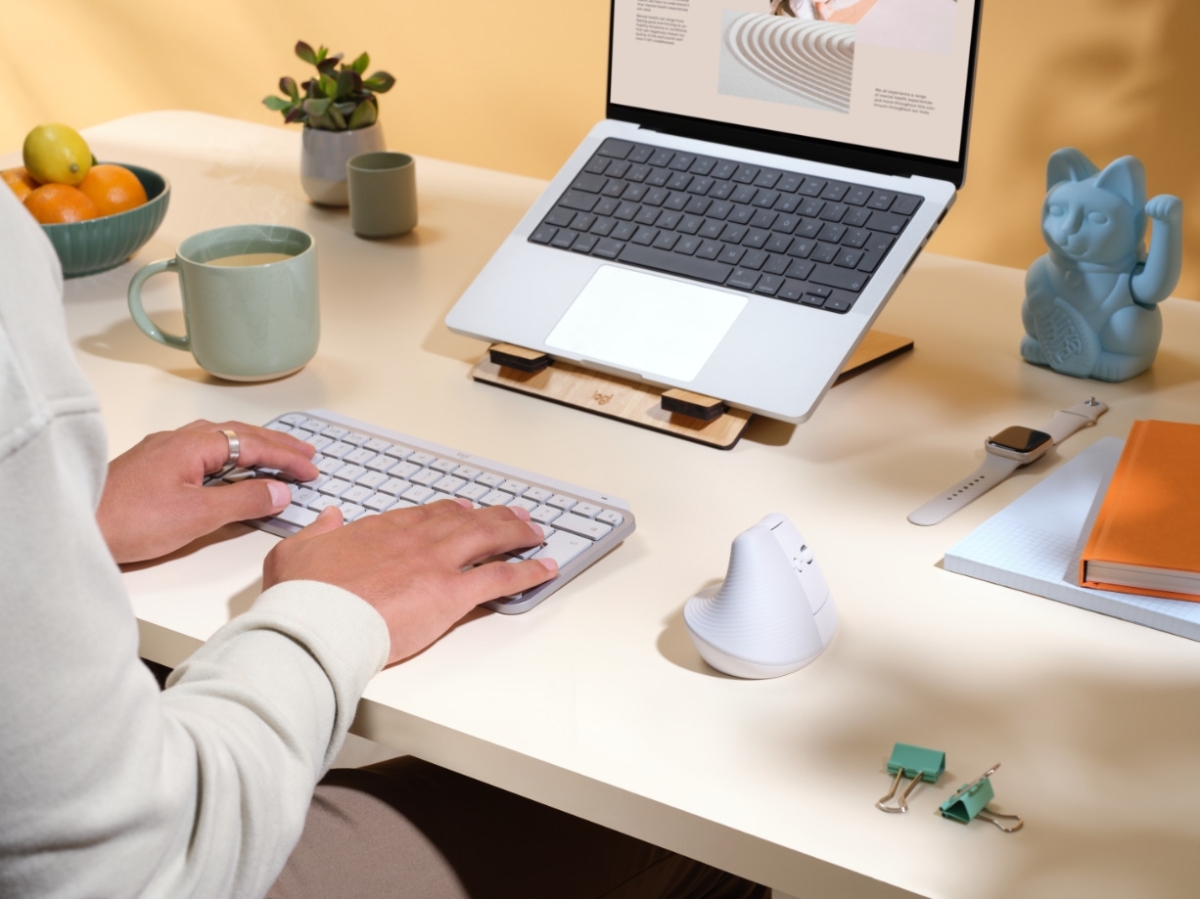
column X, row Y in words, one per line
column 915, row 762
column 971, row 800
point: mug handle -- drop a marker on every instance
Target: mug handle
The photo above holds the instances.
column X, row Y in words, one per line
column 140, row 318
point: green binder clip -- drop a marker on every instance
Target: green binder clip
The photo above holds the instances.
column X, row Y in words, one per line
column 971, row 800
column 915, row 762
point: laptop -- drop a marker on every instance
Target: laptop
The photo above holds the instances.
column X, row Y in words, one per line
column 767, row 172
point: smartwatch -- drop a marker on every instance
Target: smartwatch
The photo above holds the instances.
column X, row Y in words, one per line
column 1007, row 451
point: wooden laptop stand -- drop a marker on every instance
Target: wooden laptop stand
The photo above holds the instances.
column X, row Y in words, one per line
column 681, row 413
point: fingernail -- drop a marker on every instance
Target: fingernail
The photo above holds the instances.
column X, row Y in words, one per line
column 280, row 494
column 537, row 529
column 550, row 565
column 463, row 501
column 520, row 512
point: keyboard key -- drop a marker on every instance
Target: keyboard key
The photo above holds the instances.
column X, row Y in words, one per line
column 584, row 527
column 490, row 480
column 372, row 479
column 323, row 503
column 838, row 277
column 538, row 494
column 351, row 472
column 616, row 149
column 380, row 502
column 905, row 204
column 587, row 510
column 676, row 264
column 394, row 486
column 496, row 498
column 339, row 449
column 360, row 456
column 516, row 488
column 545, row 514
column 560, row 502
column 473, row 492
column 467, row 473
column 564, row 239
column 449, row 484
column 426, row 477
column 888, row 222
column 527, row 504
column 302, row 496
column 731, row 255
column 834, row 190
column 417, row 494
column 298, row 516
column 882, row 200
column 326, row 465
column 381, row 463
column 334, row 487
column 399, row 452
column 768, row 284
column 357, row 494
column 562, row 547
column 743, row 279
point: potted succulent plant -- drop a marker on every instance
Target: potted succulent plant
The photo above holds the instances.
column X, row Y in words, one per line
column 340, row 115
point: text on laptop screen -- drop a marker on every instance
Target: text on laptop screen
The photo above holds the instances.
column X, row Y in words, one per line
column 884, row 74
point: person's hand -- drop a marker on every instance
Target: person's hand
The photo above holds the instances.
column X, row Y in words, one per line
column 411, row 564
column 153, row 502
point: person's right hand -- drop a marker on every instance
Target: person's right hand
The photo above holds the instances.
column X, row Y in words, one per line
column 409, row 564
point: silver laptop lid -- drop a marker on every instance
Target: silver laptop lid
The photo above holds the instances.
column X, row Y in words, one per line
column 879, row 85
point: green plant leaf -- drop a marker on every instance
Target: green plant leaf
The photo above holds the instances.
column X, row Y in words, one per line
column 348, row 81
column 278, row 104
column 296, row 114
column 339, row 120
column 305, row 52
column 288, row 86
column 345, row 107
column 316, row 108
column 380, row 82
column 327, row 66
column 364, row 115
column 322, row 52
column 360, row 65
column 327, row 86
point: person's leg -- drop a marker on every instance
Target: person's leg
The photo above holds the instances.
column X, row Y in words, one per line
column 406, row 828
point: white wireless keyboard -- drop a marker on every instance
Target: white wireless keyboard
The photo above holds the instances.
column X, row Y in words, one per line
column 366, row 470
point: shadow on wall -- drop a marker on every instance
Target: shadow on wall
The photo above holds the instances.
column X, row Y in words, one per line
column 1109, row 77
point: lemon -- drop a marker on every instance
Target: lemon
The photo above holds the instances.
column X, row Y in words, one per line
column 57, row 154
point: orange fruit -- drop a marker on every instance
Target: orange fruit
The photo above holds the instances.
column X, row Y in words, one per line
column 20, row 181
column 113, row 188
column 52, row 204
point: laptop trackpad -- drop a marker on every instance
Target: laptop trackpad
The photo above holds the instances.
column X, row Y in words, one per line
column 646, row 323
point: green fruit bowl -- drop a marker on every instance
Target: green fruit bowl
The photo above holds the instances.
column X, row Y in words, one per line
column 97, row 245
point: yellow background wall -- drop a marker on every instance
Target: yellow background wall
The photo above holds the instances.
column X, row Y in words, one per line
column 513, row 85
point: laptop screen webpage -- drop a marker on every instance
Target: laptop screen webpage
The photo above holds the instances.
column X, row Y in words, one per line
column 888, row 75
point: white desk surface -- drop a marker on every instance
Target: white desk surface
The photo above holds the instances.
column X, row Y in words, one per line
column 596, row 702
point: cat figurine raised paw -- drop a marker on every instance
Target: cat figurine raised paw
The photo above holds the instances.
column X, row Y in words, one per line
column 1091, row 303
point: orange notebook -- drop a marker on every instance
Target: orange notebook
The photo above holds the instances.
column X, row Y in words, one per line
column 1146, row 538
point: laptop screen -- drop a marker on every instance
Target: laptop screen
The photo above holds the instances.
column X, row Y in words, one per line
column 881, row 75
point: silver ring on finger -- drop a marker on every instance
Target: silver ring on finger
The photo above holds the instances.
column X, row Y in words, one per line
column 235, row 452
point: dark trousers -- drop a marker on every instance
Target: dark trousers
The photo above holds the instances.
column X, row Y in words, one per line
column 406, row 828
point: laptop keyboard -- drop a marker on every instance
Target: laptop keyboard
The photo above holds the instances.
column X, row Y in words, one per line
column 767, row 231
column 366, row 470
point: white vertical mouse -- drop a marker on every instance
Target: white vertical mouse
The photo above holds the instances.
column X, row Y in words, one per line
column 773, row 614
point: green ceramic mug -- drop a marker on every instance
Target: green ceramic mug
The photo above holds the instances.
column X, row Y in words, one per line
column 249, row 300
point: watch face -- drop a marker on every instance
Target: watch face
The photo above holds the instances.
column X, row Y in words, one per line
column 1020, row 440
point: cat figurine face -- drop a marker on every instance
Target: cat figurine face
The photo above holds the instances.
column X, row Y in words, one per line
column 1091, row 216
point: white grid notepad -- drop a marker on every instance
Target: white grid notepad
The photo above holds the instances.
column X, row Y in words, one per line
column 1034, row 544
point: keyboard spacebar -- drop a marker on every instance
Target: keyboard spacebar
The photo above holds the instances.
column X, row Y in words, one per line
column 676, row 263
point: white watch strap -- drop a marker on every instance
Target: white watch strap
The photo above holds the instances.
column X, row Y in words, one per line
column 995, row 468
column 1067, row 421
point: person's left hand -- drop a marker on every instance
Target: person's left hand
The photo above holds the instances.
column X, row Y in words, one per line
column 153, row 502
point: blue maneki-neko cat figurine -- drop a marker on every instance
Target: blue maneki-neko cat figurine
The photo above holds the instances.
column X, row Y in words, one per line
column 1091, row 303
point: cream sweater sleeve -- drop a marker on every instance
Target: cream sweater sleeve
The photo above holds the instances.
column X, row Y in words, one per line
column 109, row 787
